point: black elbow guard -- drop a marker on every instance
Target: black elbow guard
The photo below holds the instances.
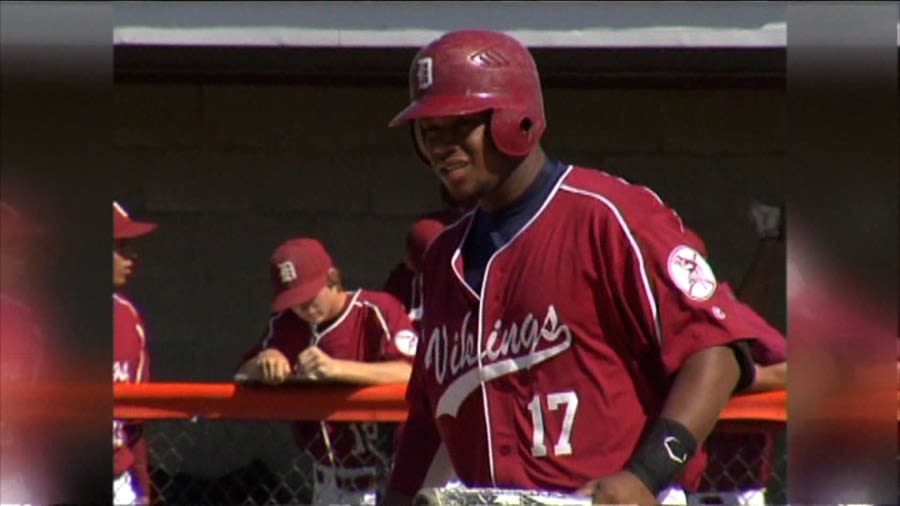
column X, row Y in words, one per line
column 745, row 363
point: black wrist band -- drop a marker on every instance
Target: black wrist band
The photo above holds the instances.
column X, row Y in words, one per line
column 662, row 454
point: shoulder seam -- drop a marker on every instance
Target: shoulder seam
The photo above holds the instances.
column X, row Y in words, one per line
column 645, row 278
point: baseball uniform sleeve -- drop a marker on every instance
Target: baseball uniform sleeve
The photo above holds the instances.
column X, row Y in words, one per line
column 671, row 296
column 145, row 350
column 399, row 338
column 768, row 346
column 139, row 446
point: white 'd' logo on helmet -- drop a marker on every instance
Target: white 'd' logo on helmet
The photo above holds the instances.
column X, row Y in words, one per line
column 424, row 72
column 287, row 272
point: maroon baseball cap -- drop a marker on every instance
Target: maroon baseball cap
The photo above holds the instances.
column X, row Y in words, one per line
column 299, row 270
column 425, row 230
column 126, row 228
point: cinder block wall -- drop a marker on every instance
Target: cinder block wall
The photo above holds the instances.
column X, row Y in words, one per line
column 230, row 171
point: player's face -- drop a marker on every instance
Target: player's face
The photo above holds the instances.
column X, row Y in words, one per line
column 461, row 153
column 123, row 263
column 319, row 309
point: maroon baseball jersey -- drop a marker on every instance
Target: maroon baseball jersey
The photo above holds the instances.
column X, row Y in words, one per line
column 131, row 364
column 769, row 346
column 372, row 327
column 406, row 286
column 400, row 284
column 550, row 373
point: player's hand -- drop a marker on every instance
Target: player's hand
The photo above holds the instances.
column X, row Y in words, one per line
column 272, row 366
column 619, row 488
column 313, row 363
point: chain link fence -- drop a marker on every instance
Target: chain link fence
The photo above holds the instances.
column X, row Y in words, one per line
column 258, row 462
column 741, row 461
column 244, row 462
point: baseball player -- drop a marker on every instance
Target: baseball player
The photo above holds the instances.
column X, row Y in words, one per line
column 22, row 468
column 131, row 364
column 319, row 331
column 573, row 337
column 403, row 281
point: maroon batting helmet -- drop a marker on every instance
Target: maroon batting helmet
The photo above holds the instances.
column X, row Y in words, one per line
column 471, row 71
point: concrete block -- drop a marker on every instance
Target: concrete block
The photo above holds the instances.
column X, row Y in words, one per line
column 614, row 121
column 302, row 118
column 157, row 115
column 401, row 186
column 724, row 121
column 365, row 248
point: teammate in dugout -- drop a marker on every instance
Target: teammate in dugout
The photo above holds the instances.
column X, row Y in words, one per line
column 572, row 337
column 319, row 331
column 404, row 281
column 131, row 364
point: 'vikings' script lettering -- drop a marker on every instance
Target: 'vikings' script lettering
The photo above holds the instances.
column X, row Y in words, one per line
column 458, row 351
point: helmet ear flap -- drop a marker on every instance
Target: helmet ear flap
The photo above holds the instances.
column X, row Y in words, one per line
column 515, row 132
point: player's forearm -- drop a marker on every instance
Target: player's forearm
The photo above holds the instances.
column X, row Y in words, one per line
column 770, row 377
column 374, row 373
column 701, row 390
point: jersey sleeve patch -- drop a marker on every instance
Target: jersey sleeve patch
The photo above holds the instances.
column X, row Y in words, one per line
column 690, row 272
column 405, row 341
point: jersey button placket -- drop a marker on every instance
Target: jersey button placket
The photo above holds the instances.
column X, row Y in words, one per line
column 504, row 440
column 497, row 276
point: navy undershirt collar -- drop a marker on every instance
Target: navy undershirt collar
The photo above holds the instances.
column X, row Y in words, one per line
column 491, row 230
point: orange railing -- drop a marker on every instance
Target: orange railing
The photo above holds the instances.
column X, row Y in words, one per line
column 385, row 403
column 236, row 451
column 236, row 454
column 230, row 401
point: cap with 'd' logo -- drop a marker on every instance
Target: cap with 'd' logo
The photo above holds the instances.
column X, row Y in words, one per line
column 299, row 270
